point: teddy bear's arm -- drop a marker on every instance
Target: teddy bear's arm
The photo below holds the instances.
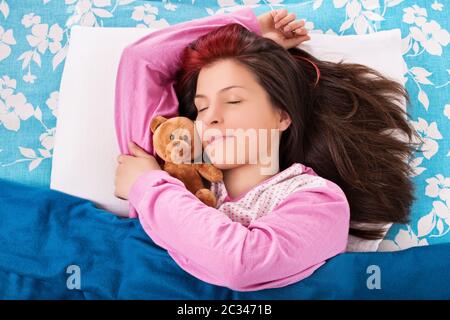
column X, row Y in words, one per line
column 209, row 172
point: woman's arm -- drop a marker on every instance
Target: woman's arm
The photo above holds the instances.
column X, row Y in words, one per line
column 145, row 76
column 280, row 248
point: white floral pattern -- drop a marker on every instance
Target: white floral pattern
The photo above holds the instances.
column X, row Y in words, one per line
column 35, row 35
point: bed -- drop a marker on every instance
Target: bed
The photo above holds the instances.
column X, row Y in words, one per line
column 113, row 258
column 412, row 259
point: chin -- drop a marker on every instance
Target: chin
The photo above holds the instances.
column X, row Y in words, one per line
column 219, row 158
column 226, row 166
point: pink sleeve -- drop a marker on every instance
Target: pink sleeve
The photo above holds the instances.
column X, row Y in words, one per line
column 144, row 82
column 280, row 248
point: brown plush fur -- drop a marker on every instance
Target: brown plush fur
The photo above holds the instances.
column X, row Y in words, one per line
column 174, row 140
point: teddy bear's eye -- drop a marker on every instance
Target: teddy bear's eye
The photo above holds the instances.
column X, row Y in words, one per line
column 185, row 138
column 171, row 137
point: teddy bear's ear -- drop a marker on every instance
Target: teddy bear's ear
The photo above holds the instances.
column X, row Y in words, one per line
column 156, row 121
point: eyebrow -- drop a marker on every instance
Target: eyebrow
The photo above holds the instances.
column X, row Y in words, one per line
column 223, row 89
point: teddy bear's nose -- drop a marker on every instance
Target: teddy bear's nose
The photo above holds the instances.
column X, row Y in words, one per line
column 176, row 143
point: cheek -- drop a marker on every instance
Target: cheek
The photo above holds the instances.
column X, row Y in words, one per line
column 245, row 117
column 255, row 116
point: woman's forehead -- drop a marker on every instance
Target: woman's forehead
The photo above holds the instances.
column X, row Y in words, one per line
column 223, row 74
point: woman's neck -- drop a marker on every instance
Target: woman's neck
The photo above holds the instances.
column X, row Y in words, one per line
column 242, row 179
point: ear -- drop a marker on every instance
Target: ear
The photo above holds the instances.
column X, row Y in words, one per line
column 156, row 121
column 284, row 120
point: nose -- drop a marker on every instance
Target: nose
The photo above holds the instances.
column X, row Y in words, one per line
column 213, row 116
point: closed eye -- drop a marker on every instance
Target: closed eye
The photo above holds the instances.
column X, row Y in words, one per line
column 230, row 102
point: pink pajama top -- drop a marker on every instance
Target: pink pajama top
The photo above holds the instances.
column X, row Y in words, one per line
column 276, row 234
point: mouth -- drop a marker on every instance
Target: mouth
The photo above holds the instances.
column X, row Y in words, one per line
column 217, row 138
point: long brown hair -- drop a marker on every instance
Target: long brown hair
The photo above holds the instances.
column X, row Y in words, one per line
column 343, row 128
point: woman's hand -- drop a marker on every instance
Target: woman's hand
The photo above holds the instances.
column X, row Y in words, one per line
column 131, row 167
column 282, row 27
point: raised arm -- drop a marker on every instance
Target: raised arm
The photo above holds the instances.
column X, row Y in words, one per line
column 144, row 83
column 145, row 76
column 280, row 248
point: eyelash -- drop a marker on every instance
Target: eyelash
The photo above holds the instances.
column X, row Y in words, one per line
column 231, row 102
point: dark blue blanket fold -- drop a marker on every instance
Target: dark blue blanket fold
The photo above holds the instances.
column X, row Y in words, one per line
column 51, row 242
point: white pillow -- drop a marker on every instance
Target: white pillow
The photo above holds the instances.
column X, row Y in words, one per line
column 85, row 151
column 381, row 51
column 85, row 147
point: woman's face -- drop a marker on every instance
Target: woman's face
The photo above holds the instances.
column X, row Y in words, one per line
column 230, row 102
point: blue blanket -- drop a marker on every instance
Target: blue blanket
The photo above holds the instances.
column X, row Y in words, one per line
column 56, row 246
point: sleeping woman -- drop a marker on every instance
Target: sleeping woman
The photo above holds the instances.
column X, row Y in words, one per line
column 336, row 168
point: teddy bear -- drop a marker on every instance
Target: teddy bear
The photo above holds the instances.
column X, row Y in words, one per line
column 177, row 143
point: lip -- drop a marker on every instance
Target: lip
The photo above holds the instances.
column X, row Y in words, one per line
column 216, row 138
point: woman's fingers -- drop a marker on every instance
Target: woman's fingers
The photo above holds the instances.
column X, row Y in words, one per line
column 301, row 32
column 279, row 14
column 293, row 31
column 294, row 25
column 284, row 21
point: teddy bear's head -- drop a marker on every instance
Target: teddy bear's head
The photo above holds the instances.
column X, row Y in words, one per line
column 175, row 140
